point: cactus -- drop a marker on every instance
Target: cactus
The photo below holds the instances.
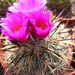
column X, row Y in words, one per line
column 39, row 57
column 44, row 56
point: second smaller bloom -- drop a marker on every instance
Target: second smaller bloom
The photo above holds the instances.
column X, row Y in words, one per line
column 41, row 27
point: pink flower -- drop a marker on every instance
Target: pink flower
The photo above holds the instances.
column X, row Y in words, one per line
column 28, row 6
column 27, row 17
column 15, row 27
column 40, row 25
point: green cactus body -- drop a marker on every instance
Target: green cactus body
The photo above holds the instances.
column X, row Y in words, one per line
column 48, row 56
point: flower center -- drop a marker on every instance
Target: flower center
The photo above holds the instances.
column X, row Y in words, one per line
column 41, row 25
column 16, row 28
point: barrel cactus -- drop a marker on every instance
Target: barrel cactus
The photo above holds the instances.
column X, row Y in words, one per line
column 34, row 45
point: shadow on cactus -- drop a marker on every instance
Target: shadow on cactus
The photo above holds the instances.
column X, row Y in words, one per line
column 33, row 45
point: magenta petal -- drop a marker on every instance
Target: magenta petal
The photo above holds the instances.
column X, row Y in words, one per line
column 39, row 33
column 8, row 33
column 12, row 9
column 47, row 15
column 27, row 6
column 21, row 35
